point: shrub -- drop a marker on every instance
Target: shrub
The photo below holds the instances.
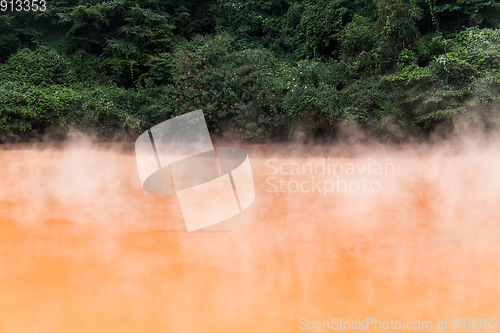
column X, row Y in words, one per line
column 25, row 107
column 102, row 110
column 463, row 80
column 232, row 87
column 43, row 66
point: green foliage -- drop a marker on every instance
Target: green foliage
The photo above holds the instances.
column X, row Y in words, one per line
column 363, row 47
column 457, row 14
column 42, row 66
column 108, row 109
column 295, row 29
column 114, row 38
column 38, row 91
column 430, row 46
column 119, row 66
column 479, row 47
column 26, row 107
column 232, row 87
column 125, row 32
column 388, row 108
column 400, row 22
column 103, row 110
column 361, row 35
column 463, row 80
column 310, row 92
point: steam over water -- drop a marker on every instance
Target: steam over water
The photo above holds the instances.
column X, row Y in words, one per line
column 84, row 249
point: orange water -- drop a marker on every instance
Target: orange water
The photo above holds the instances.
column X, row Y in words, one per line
column 84, row 249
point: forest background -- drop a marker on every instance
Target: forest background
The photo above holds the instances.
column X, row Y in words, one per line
column 260, row 70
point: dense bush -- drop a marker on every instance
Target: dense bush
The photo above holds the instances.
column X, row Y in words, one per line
column 233, row 87
column 38, row 91
column 43, row 66
column 26, row 107
column 103, row 110
column 462, row 80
